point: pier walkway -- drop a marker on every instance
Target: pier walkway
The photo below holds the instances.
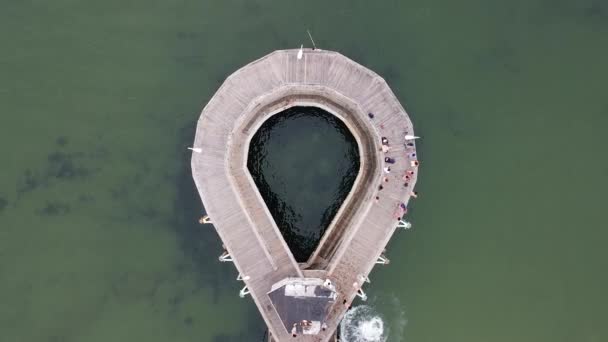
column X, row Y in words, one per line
column 319, row 291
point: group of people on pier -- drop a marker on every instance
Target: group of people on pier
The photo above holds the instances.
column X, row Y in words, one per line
column 411, row 159
column 305, row 325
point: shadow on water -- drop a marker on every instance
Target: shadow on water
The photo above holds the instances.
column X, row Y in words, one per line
column 3, row 203
column 61, row 166
column 304, row 162
column 590, row 13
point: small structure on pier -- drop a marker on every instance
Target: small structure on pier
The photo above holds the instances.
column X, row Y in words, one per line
column 299, row 300
column 307, row 300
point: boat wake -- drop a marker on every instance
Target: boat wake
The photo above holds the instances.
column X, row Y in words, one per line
column 365, row 324
column 362, row 324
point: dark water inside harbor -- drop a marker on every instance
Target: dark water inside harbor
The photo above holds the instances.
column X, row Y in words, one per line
column 98, row 102
column 304, row 161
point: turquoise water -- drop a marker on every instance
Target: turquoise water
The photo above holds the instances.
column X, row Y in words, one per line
column 304, row 161
column 98, row 101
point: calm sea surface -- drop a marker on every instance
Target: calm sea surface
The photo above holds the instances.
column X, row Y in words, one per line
column 98, row 102
column 304, row 160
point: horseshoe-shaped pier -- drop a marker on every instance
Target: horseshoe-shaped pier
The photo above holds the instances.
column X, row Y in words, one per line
column 308, row 299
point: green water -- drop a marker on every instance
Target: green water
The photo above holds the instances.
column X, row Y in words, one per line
column 98, row 100
column 304, row 161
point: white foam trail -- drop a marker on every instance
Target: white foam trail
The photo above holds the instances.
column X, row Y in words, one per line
column 362, row 324
column 397, row 314
column 365, row 324
column 372, row 330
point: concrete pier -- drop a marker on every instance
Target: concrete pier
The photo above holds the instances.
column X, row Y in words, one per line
column 307, row 299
